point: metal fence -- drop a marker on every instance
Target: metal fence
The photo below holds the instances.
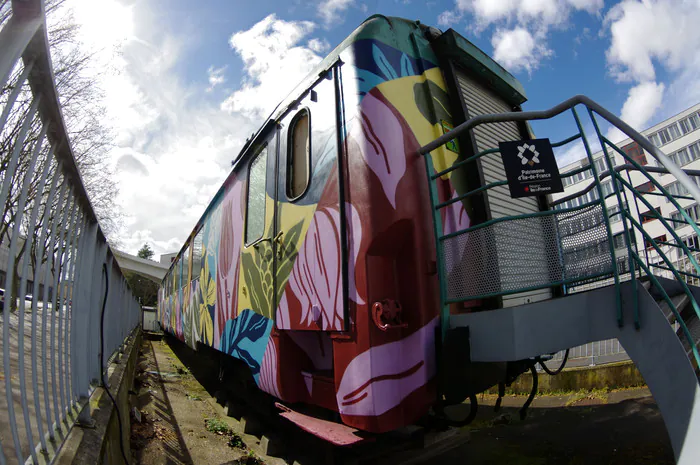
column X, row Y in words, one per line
column 53, row 346
column 594, row 353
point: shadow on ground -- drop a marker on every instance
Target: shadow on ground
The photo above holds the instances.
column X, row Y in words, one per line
column 162, row 424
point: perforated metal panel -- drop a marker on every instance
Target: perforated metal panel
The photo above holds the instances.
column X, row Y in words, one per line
column 532, row 253
column 480, row 100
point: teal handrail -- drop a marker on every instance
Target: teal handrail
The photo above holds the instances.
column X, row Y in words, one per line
column 636, row 263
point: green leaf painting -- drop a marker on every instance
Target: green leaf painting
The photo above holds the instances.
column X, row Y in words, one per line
column 258, row 269
column 432, row 101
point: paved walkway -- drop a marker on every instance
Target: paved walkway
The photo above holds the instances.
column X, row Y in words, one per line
column 621, row 427
column 173, row 410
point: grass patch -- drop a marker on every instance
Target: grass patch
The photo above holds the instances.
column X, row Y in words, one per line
column 192, row 397
column 600, row 394
column 218, row 426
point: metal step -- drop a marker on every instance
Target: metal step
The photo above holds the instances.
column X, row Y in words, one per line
column 679, row 302
column 693, row 325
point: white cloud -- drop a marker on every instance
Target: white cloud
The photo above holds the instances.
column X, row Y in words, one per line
column 521, row 26
column 540, row 13
column 518, row 50
column 318, row 45
column 449, row 18
column 174, row 145
column 330, row 10
column 645, row 38
column 274, row 64
column 216, row 76
column 652, row 31
column 642, row 103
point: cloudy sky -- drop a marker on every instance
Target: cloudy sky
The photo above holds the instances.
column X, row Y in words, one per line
column 189, row 81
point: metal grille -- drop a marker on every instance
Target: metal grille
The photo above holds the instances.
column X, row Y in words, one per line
column 528, row 253
column 480, row 100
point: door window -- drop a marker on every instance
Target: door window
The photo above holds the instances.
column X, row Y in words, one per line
column 255, row 211
column 299, row 155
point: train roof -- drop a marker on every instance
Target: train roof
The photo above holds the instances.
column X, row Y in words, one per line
column 449, row 44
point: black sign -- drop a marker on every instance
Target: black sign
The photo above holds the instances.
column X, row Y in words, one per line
column 530, row 167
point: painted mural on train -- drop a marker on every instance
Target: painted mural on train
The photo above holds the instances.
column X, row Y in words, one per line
column 265, row 273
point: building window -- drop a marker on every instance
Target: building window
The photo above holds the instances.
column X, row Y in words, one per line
column 255, row 212
column 692, row 242
column 299, row 156
column 678, row 220
column 657, row 241
column 619, row 241
column 646, row 187
column 635, row 152
column 197, row 254
column 615, row 213
column 648, row 216
column 674, row 132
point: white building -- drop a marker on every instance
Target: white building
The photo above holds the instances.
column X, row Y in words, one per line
column 679, row 138
column 167, row 258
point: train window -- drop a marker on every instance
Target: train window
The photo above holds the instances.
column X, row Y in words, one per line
column 299, row 156
column 185, row 267
column 255, row 212
column 197, row 254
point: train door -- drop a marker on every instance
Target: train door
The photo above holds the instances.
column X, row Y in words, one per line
column 260, row 235
column 309, row 259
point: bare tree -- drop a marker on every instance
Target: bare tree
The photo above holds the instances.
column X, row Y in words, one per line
column 81, row 101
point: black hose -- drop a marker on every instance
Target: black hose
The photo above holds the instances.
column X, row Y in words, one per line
column 557, row 371
column 533, row 392
column 473, row 409
column 501, row 394
column 102, row 371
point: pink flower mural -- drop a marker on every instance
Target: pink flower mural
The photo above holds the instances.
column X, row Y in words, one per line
column 269, row 370
column 378, row 379
column 316, row 277
column 228, row 269
column 455, row 218
column 380, row 136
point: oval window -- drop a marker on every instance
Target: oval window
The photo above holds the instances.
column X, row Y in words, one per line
column 299, row 155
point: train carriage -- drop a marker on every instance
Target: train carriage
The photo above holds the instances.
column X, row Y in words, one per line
column 315, row 264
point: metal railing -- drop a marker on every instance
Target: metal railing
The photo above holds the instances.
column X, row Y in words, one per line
column 582, row 251
column 53, row 348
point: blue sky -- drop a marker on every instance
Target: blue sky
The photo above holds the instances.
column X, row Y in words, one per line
column 186, row 82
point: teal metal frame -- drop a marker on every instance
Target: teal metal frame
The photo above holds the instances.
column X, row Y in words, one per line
column 622, row 190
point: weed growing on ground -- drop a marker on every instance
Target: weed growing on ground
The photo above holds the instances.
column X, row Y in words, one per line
column 236, row 441
column 218, row 426
column 193, row 397
column 251, row 459
column 600, row 394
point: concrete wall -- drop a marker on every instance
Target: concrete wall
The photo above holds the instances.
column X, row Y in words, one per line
column 101, row 445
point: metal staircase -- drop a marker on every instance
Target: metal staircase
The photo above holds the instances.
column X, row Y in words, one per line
column 638, row 286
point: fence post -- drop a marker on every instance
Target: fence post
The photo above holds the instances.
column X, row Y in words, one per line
column 81, row 321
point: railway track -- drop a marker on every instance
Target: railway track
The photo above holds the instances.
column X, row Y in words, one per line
column 256, row 417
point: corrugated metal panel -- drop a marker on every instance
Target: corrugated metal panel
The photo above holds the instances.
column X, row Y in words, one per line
column 480, row 100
